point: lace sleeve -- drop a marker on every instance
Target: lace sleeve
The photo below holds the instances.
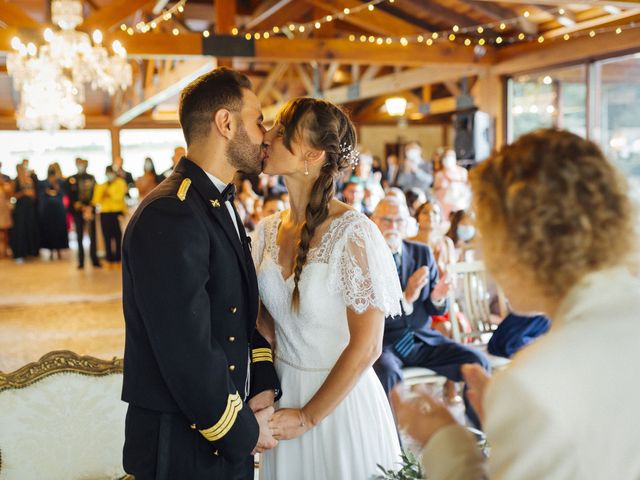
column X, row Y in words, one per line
column 362, row 270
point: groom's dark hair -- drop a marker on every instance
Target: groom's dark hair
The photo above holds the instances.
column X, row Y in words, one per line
column 202, row 98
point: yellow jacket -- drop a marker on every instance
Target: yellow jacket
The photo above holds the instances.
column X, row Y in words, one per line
column 111, row 196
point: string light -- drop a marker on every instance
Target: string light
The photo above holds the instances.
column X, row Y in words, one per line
column 457, row 33
column 144, row 27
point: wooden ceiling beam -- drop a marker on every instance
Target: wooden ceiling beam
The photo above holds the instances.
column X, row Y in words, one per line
column 108, row 17
column 267, row 85
column 14, row 16
column 377, row 21
column 594, row 23
column 616, row 3
column 444, row 14
column 168, row 85
column 265, row 11
column 291, row 12
column 495, row 12
column 158, row 45
column 387, row 84
column 521, row 58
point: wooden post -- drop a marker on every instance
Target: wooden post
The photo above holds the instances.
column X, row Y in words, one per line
column 225, row 21
column 115, row 143
column 488, row 93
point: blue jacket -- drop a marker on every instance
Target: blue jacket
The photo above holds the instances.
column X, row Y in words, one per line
column 414, row 256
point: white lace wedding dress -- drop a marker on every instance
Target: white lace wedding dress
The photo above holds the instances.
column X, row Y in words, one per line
column 351, row 267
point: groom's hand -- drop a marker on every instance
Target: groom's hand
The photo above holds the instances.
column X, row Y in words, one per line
column 262, row 400
column 265, row 439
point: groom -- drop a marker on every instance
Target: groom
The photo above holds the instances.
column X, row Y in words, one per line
column 198, row 377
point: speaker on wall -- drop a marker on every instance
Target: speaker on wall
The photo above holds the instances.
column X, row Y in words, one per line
column 473, row 139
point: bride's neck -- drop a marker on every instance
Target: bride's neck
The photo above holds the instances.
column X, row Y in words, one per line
column 299, row 195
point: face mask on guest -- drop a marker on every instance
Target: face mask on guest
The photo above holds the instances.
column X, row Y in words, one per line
column 111, row 177
column 148, row 167
column 414, row 155
column 82, row 168
column 466, row 232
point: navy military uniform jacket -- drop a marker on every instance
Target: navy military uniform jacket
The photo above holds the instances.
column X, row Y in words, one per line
column 79, row 188
column 192, row 351
column 414, row 256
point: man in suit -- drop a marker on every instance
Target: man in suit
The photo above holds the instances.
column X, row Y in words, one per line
column 80, row 188
column 198, row 377
column 409, row 340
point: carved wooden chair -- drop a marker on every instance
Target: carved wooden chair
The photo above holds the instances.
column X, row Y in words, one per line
column 61, row 418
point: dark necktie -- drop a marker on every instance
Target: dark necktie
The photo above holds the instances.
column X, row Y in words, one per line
column 397, row 258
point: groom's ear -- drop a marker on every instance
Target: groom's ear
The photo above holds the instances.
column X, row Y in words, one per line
column 223, row 122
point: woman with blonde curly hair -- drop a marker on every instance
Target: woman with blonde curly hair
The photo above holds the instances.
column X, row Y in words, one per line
column 557, row 230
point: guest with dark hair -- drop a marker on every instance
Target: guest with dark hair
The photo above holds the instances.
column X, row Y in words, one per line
column 149, row 180
column 6, row 189
column 462, row 232
column 80, row 189
column 24, row 238
column 52, row 214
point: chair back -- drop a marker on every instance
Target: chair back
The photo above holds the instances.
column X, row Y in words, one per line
column 61, row 418
column 472, row 298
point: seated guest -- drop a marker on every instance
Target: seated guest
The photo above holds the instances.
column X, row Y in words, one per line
column 353, row 195
column 462, row 232
column 557, row 229
column 415, row 198
column 272, row 205
column 430, row 227
column 408, row 339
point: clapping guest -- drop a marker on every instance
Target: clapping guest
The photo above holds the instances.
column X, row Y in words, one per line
column 409, row 340
column 557, row 228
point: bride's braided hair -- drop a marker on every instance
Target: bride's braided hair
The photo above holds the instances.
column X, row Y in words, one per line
column 323, row 126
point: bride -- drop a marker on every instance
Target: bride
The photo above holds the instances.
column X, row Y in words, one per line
column 327, row 281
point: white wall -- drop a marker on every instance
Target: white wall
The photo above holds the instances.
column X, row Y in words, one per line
column 374, row 137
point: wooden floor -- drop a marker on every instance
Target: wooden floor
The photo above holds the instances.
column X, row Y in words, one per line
column 50, row 305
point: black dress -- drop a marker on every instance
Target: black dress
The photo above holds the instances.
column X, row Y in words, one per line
column 52, row 216
column 23, row 237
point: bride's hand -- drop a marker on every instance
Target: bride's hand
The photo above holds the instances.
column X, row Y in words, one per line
column 288, row 423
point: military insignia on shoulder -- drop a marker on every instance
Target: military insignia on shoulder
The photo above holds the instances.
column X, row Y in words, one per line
column 184, row 188
column 215, row 203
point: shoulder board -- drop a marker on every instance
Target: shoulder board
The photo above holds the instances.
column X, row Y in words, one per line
column 184, row 188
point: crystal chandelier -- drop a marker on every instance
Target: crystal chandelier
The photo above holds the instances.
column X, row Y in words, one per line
column 51, row 79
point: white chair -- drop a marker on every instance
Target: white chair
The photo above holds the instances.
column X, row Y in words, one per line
column 61, row 418
column 472, row 297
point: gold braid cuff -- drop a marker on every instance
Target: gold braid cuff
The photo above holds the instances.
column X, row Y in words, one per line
column 228, row 418
column 261, row 355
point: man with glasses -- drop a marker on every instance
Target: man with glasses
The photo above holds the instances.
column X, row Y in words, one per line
column 409, row 340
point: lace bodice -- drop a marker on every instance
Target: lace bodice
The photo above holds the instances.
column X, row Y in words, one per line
column 351, row 267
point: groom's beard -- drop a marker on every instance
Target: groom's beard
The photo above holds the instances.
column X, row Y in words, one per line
column 244, row 156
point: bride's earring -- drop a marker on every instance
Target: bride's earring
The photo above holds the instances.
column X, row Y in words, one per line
column 306, row 168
